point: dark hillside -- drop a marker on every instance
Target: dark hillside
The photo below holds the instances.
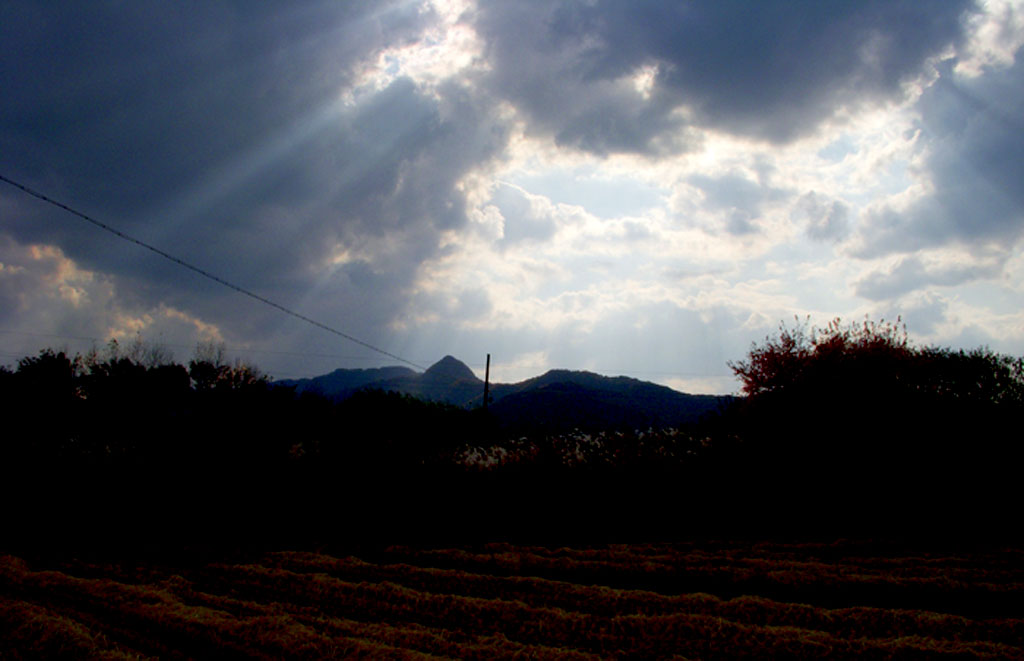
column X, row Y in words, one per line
column 561, row 400
column 342, row 383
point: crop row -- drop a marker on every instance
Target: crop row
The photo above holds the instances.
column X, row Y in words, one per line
column 644, row 636
column 40, row 633
column 980, row 590
column 607, row 601
column 295, row 605
column 52, row 613
column 993, row 567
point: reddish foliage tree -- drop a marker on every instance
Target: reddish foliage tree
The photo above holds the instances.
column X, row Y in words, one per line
column 795, row 355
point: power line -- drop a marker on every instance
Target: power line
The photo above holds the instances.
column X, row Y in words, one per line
column 202, row 272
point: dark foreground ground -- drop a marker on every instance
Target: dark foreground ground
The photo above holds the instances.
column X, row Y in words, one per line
column 240, row 565
column 697, row 600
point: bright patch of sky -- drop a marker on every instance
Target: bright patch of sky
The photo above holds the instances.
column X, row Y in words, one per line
column 598, row 193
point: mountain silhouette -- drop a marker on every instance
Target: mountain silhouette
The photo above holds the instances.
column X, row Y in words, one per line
column 557, row 401
column 561, row 400
column 343, row 383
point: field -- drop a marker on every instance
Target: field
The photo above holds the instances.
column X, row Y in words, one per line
column 697, row 600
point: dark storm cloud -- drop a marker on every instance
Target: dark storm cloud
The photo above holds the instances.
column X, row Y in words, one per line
column 768, row 70
column 121, row 107
column 116, row 90
column 381, row 185
column 218, row 132
column 974, row 132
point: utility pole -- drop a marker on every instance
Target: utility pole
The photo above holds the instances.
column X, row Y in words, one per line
column 487, row 381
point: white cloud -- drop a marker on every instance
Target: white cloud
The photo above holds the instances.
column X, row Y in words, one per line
column 47, row 300
column 995, row 35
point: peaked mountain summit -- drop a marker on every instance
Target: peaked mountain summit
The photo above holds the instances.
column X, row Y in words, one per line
column 450, row 369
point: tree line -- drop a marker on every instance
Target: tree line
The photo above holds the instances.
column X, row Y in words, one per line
column 134, row 406
column 843, row 428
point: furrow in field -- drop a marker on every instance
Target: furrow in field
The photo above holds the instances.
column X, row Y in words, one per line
column 691, row 634
column 153, row 620
column 433, row 640
column 29, row 630
column 490, row 602
column 605, row 601
column 823, row 584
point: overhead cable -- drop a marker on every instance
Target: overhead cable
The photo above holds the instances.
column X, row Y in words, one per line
column 203, row 272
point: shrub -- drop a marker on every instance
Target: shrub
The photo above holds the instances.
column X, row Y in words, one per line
column 859, row 413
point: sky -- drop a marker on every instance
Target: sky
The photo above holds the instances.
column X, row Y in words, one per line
column 638, row 188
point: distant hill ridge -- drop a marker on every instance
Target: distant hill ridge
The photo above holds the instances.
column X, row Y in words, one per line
column 558, row 400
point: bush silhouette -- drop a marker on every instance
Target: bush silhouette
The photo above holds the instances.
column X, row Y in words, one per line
column 856, row 416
